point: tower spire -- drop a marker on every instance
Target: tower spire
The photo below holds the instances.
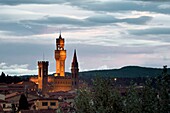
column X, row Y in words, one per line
column 74, row 71
column 60, row 35
column 74, row 62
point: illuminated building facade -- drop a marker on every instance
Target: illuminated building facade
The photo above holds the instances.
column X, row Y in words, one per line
column 60, row 57
column 58, row 82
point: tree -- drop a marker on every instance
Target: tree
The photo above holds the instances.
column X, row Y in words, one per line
column 23, row 103
column 2, row 77
column 153, row 97
column 13, row 108
column 106, row 100
column 149, row 98
column 83, row 101
column 100, row 99
column 163, row 89
column 132, row 101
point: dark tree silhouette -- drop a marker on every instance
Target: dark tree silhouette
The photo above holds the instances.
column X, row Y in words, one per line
column 153, row 97
column 2, row 77
column 23, row 103
column 13, row 108
column 9, row 79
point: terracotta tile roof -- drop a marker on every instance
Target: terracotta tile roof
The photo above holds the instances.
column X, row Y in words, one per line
column 43, row 99
column 62, row 94
column 3, row 101
column 3, row 84
column 19, row 93
column 26, row 83
column 38, row 111
column 12, row 95
column 1, row 109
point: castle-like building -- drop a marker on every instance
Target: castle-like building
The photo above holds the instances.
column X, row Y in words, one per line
column 58, row 82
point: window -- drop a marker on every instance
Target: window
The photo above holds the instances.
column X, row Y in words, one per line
column 40, row 71
column 4, row 105
column 52, row 103
column 44, row 103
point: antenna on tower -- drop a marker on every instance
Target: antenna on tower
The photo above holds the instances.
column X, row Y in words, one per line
column 43, row 56
column 60, row 31
column 60, row 34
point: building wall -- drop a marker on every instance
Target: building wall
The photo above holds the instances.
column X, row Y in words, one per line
column 7, row 107
column 46, row 104
column 60, row 84
column 34, row 79
column 56, row 83
column 2, row 97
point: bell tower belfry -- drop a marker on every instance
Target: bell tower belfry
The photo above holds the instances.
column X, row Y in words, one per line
column 60, row 56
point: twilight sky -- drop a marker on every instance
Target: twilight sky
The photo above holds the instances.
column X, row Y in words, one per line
column 107, row 34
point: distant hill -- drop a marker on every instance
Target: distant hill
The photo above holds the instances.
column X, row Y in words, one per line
column 124, row 72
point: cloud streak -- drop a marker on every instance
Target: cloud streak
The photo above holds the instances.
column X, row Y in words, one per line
column 103, row 6
column 40, row 26
column 16, row 69
column 151, row 31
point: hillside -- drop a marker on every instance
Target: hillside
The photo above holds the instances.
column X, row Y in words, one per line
column 124, row 72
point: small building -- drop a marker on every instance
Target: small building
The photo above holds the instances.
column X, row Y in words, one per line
column 46, row 103
column 5, row 105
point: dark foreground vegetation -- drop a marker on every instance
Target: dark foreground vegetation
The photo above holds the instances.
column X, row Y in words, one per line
column 153, row 97
column 9, row 79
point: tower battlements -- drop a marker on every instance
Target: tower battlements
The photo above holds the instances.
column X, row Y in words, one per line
column 43, row 63
column 43, row 76
column 60, row 57
column 58, row 82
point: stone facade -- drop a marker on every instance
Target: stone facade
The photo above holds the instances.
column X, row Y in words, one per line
column 58, row 82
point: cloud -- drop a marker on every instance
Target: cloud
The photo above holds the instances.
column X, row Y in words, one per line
column 108, row 19
column 141, row 20
column 151, row 31
column 20, row 29
column 118, row 6
column 153, row 0
column 16, row 69
column 101, row 6
column 164, row 6
column 96, row 20
column 48, row 24
column 15, row 57
column 18, row 2
column 108, row 33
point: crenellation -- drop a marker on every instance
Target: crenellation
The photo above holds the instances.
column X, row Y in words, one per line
column 58, row 82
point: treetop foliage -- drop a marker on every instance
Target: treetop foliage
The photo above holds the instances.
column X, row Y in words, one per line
column 153, row 97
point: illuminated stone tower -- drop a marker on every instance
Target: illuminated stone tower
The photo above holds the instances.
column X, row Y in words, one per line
column 60, row 56
column 74, row 71
column 43, row 76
